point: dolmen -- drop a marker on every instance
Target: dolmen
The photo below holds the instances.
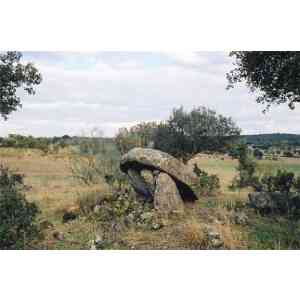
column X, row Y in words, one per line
column 160, row 178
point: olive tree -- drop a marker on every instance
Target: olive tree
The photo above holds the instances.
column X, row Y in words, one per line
column 202, row 129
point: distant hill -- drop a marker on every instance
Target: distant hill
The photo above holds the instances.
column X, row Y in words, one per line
column 272, row 139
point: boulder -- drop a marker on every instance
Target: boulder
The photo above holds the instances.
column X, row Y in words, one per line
column 140, row 159
column 214, row 237
column 167, row 198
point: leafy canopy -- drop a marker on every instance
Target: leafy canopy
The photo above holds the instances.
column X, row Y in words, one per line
column 202, row 129
column 274, row 74
column 13, row 75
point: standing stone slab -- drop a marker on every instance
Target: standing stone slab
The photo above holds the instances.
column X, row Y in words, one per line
column 166, row 197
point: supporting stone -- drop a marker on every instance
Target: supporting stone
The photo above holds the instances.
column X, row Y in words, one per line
column 139, row 184
column 166, row 197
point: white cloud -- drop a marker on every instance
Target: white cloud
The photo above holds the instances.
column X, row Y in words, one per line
column 188, row 58
column 86, row 90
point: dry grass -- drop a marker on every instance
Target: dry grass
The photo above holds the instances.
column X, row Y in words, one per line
column 54, row 190
column 49, row 178
column 192, row 235
column 188, row 232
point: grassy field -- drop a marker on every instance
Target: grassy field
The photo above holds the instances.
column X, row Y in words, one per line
column 52, row 187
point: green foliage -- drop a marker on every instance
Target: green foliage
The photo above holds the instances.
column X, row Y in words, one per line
column 283, row 181
column 13, row 75
column 246, row 169
column 288, row 154
column 20, row 141
column 88, row 201
column 17, row 216
column 208, row 185
column 275, row 74
column 183, row 135
column 274, row 233
column 234, row 150
column 44, row 144
column 297, row 184
column 120, row 207
column 258, row 154
column 187, row 133
column 96, row 160
column 140, row 135
column 236, row 205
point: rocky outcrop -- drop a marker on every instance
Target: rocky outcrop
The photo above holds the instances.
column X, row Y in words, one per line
column 140, row 159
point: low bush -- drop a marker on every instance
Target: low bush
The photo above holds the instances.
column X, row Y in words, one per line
column 18, row 226
column 279, row 194
column 282, row 181
column 96, row 160
column 88, row 201
column 246, row 169
column 274, row 233
column 288, row 154
column 258, row 154
column 208, row 185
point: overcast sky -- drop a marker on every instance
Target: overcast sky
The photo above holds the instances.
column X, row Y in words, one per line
column 109, row 90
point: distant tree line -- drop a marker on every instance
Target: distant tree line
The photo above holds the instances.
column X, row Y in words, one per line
column 41, row 143
column 274, row 139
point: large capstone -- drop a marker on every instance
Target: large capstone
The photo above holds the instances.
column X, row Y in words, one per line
column 137, row 160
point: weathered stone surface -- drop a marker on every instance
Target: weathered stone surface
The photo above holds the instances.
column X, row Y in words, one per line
column 215, row 239
column 149, row 178
column 140, row 184
column 166, row 197
column 139, row 159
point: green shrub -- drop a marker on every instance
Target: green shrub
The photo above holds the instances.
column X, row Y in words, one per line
column 274, row 233
column 140, row 135
column 297, row 184
column 283, row 181
column 88, row 201
column 288, row 154
column 97, row 160
column 258, row 154
column 207, row 185
column 20, row 141
column 17, row 216
column 246, row 169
